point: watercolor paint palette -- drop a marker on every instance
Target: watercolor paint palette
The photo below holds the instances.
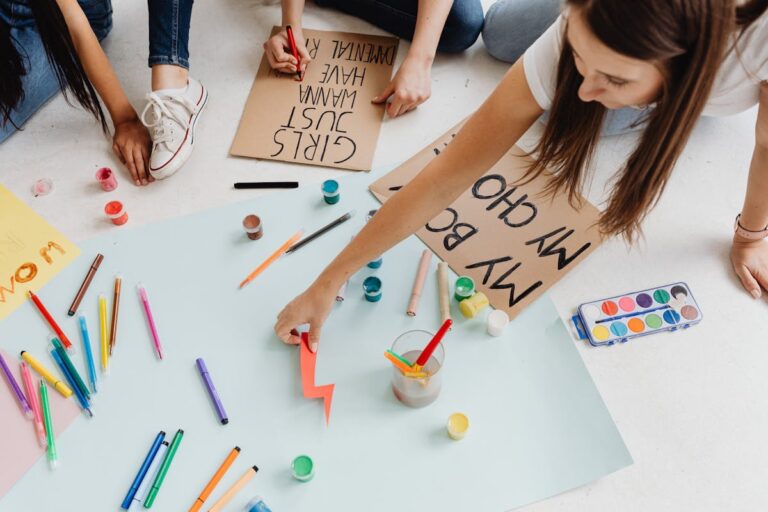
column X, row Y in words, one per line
column 623, row 317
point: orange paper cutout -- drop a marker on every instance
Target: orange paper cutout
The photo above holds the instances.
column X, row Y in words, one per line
column 307, row 361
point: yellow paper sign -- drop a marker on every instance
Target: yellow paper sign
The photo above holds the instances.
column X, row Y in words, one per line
column 31, row 252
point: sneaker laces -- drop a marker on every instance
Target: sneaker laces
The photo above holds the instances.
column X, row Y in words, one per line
column 164, row 108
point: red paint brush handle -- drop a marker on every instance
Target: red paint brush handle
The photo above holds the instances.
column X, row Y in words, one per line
column 427, row 352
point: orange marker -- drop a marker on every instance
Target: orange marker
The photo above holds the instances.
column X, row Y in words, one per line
column 215, row 479
column 398, row 363
column 275, row 255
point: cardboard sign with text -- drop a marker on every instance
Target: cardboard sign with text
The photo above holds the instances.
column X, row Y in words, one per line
column 31, row 252
column 327, row 118
column 514, row 241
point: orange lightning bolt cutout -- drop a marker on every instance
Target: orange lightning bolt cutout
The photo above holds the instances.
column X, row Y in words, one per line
column 307, row 361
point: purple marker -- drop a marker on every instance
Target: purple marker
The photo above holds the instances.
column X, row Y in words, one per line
column 16, row 389
column 212, row 391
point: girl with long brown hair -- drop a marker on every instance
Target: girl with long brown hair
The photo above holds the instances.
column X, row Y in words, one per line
column 668, row 60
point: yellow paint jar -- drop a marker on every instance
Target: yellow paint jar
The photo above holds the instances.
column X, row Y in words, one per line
column 473, row 305
column 458, row 424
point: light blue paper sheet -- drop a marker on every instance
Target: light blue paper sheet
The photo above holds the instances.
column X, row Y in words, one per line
column 538, row 425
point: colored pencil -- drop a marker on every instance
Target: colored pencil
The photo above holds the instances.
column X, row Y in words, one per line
column 86, row 283
column 418, row 282
column 51, row 379
column 243, row 185
column 215, row 479
column 344, row 218
column 115, row 313
column 274, row 256
column 51, row 322
column 232, row 491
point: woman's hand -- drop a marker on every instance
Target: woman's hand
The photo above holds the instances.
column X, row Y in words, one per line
column 311, row 307
column 278, row 51
column 133, row 145
column 411, row 87
column 750, row 261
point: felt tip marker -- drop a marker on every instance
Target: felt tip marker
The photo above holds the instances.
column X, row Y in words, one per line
column 50, row 453
column 141, row 475
column 88, row 351
column 141, row 492
column 104, row 341
column 115, row 312
column 49, row 377
column 163, row 470
column 34, row 403
column 20, row 398
column 51, row 322
column 71, row 368
column 150, row 319
column 78, row 394
column 220, row 412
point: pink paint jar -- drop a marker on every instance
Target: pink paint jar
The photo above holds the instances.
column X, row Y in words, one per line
column 116, row 213
column 106, row 179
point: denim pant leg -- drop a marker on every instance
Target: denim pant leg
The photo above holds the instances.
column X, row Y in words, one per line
column 462, row 27
column 511, row 26
column 40, row 84
column 169, row 32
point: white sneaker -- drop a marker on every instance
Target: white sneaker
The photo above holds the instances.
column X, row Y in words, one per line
column 172, row 126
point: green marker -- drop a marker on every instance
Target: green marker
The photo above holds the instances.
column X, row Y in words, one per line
column 163, row 469
column 71, row 367
column 50, row 438
column 401, row 358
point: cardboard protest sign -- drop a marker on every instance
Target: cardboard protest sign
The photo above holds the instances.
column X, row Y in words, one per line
column 514, row 241
column 327, row 118
column 32, row 252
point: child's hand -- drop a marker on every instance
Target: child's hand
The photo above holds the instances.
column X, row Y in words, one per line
column 133, row 145
column 750, row 261
column 311, row 307
column 279, row 55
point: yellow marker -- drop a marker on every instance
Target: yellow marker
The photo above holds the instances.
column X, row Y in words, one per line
column 47, row 375
column 416, row 375
column 103, row 332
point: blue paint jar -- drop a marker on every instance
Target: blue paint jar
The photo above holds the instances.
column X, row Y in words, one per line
column 376, row 263
column 257, row 505
column 372, row 289
column 331, row 192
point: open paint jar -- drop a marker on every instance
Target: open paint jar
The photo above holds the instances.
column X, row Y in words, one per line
column 303, row 468
column 464, row 288
column 106, row 179
column 331, row 193
column 252, row 226
column 116, row 213
column 417, row 391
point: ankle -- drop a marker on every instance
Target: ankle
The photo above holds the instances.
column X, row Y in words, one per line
column 166, row 76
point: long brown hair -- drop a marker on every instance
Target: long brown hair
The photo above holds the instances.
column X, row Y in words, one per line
column 688, row 38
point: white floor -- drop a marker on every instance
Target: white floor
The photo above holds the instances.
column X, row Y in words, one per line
column 689, row 404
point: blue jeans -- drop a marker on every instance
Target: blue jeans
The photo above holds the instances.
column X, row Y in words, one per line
column 511, row 26
column 168, row 38
column 461, row 30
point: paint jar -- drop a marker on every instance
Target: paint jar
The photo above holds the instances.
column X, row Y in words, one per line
column 116, row 213
column 372, row 289
column 458, row 424
column 376, row 263
column 417, row 392
column 303, row 468
column 42, row 187
column 257, row 505
column 497, row 322
column 106, row 179
column 252, row 226
column 464, row 288
column 473, row 305
column 331, row 191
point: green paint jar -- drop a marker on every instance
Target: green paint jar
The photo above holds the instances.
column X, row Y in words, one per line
column 464, row 288
column 303, row 468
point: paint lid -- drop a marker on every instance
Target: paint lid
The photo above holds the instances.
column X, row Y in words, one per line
column 458, row 425
column 252, row 224
column 372, row 286
column 303, row 468
column 464, row 287
column 330, row 188
column 114, row 209
column 42, row 187
column 497, row 322
column 473, row 305
column 257, row 505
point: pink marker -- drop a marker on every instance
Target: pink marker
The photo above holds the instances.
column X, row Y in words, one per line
column 150, row 319
column 34, row 403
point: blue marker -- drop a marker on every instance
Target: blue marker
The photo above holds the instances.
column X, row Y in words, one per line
column 72, row 384
column 143, row 470
column 88, row 353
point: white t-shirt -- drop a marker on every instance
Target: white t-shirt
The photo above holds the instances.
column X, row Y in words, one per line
column 736, row 86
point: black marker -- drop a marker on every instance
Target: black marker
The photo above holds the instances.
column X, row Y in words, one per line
column 298, row 245
column 266, row 184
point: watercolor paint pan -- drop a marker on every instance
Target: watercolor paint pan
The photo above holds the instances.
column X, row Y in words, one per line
column 621, row 318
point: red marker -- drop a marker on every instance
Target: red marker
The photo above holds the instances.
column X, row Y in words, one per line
column 48, row 318
column 427, row 352
column 294, row 50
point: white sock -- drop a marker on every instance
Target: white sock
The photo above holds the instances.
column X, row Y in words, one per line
column 173, row 92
